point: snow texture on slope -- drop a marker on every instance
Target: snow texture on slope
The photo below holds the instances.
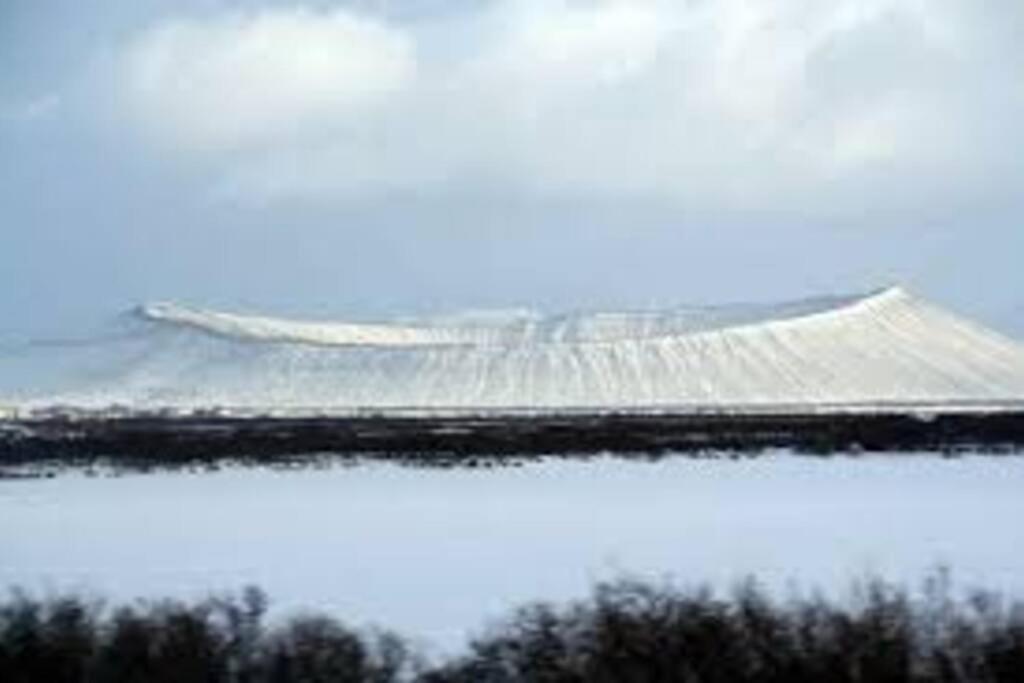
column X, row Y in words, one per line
column 885, row 348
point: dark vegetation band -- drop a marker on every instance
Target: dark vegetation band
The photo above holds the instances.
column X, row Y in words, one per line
column 143, row 442
column 626, row 630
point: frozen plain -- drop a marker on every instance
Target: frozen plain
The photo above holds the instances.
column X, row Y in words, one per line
column 437, row 553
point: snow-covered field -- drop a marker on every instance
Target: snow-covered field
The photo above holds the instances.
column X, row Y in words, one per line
column 436, row 553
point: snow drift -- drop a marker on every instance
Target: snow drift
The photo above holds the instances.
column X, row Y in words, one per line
column 887, row 348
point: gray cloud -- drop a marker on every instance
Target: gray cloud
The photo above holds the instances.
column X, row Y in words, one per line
column 769, row 105
column 350, row 159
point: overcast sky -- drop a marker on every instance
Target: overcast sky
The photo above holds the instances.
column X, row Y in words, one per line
column 367, row 158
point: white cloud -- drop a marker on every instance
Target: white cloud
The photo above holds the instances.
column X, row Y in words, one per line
column 255, row 80
column 750, row 104
column 33, row 109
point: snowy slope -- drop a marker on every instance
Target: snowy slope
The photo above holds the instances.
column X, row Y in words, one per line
column 886, row 348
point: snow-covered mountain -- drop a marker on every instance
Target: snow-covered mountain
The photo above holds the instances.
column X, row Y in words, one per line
column 887, row 348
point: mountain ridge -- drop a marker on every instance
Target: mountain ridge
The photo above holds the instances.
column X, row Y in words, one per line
column 887, row 347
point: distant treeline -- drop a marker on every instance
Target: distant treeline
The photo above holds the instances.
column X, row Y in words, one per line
column 628, row 631
column 145, row 442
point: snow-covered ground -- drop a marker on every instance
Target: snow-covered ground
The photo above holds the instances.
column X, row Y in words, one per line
column 882, row 349
column 436, row 553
